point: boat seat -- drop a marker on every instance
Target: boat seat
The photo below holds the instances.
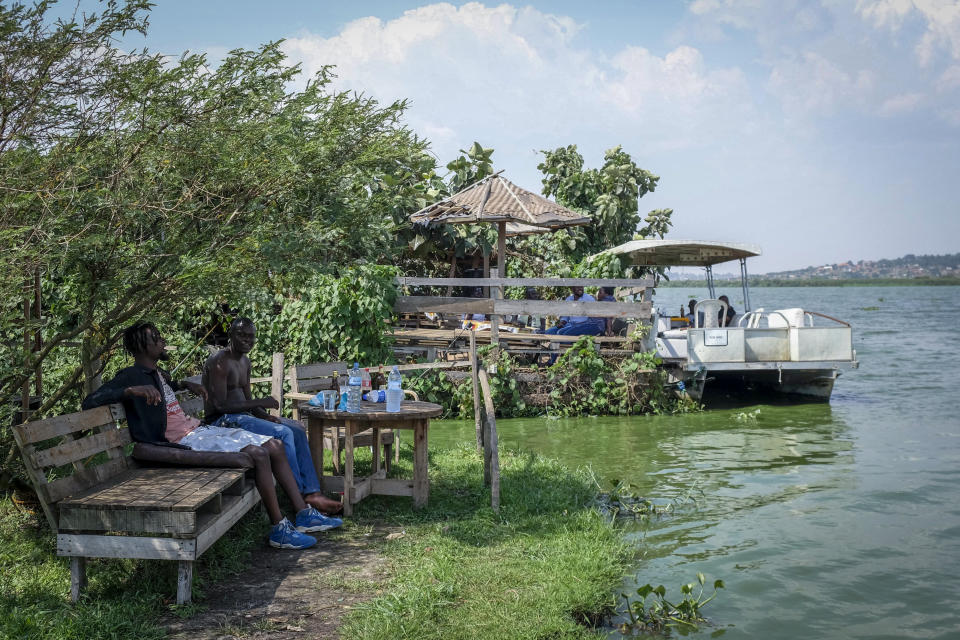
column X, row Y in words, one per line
column 710, row 310
column 785, row 318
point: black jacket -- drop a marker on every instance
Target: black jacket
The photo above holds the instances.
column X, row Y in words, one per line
column 147, row 422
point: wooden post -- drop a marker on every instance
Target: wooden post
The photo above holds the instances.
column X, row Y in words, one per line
column 37, row 334
column 496, row 294
column 453, row 271
column 184, row 581
column 491, row 458
column 78, row 577
column 350, row 428
column 421, row 481
column 476, row 391
column 276, row 383
column 486, row 272
column 27, row 348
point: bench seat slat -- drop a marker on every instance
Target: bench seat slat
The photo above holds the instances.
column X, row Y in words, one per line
column 172, row 507
column 84, row 479
column 73, row 450
column 173, row 489
column 32, row 432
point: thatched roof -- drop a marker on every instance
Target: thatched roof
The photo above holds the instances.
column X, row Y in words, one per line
column 496, row 199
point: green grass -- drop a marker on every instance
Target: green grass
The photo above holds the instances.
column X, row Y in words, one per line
column 547, row 563
column 124, row 599
column 544, row 565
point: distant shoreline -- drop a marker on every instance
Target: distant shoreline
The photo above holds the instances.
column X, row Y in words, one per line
column 760, row 281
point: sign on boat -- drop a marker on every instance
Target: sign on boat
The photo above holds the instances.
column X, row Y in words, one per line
column 791, row 351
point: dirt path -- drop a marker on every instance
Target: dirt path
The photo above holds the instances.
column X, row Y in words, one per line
column 289, row 594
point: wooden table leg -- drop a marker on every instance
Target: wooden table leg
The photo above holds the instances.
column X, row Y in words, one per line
column 349, row 430
column 421, row 482
column 376, row 449
column 315, row 440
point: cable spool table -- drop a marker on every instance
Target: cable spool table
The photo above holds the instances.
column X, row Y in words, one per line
column 413, row 415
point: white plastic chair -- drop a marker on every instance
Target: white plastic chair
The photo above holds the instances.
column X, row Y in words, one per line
column 711, row 310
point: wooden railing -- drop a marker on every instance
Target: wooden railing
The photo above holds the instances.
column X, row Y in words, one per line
column 495, row 307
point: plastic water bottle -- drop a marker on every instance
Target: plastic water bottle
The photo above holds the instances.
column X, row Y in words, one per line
column 394, row 390
column 375, row 396
column 366, row 384
column 354, row 389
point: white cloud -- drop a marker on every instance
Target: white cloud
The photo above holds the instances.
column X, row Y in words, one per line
column 949, row 79
column 940, row 17
column 811, row 83
column 474, row 72
column 900, row 104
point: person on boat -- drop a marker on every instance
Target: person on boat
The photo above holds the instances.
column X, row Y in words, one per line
column 731, row 312
column 577, row 325
column 154, row 416
column 226, row 377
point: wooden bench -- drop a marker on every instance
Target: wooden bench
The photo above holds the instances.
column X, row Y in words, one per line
column 103, row 502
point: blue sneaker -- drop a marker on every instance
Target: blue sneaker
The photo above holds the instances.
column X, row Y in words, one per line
column 310, row 520
column 284, row 536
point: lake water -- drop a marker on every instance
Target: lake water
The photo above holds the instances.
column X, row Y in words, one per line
column 837, row 520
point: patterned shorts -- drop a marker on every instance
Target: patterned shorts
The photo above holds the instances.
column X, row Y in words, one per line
column 228, row 439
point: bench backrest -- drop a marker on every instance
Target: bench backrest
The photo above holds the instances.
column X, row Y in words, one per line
column 66, row 455
column 310, row 378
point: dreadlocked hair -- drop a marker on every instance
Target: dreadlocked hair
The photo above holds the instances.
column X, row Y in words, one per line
column 135, row 337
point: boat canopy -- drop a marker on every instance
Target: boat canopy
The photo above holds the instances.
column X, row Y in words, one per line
column 688, row 253
column 681, row 253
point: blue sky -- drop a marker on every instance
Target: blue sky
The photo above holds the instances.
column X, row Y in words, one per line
column 822, row 130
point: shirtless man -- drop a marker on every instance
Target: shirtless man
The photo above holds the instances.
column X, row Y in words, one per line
column 154, row 416
column 226, row 377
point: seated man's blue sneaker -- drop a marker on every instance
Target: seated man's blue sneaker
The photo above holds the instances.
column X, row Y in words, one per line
column 310, row 520
column 284, row 536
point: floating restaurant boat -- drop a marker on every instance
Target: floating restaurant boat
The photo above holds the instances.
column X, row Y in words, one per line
column 791, row 351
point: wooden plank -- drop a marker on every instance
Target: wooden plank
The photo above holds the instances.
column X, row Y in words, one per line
column 184, row 581
column 442, row 304
column 351, row 428
column 646, row 282
column 412, row 304
column 234, row 509
column 333, row 484
column 392, row 487
column 138, row 547
column 276, row 382
column 140, row 521
column 448, row 335
column 491, row 448
column 78, row 577
column 573, row 308
column 478, row 425
column 421, row 481
column 361, row 490
column 74, row 450
column 319, row 370
column 32, row 432
column 81, row 481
